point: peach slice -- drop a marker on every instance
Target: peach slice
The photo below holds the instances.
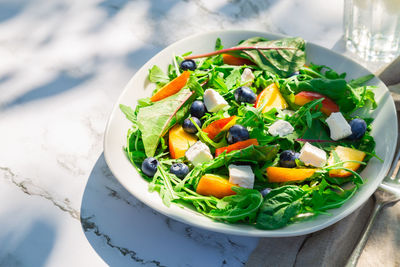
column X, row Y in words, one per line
column 179, row 141
column 328, row 106
column 172, row 87
column 219, row 126
column 236, row 146
column 236, row 61
column 346, row 153
column 280, row 174
column 271, row 97
column 214, row 185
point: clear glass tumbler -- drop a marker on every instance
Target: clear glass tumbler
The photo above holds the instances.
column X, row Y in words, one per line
column 372, row 28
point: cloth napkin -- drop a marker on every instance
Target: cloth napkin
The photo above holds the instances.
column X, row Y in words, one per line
column 333, row 245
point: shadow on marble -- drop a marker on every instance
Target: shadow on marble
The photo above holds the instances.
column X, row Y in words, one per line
column 123, row 231
column 63, row 82
column 10, row 9
column 27, row 247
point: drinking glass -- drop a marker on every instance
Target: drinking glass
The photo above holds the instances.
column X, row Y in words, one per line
column 372, row 28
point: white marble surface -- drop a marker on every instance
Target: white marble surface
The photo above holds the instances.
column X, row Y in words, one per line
column 63, row 63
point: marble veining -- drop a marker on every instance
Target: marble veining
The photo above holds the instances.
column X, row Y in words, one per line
column 63, row 67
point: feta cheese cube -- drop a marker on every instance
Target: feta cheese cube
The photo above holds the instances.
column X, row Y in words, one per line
column 198, row 153
column 242, row 176
column 247, row 77
column 214, row 101
column 281, row 128
column 312, row 155
column 338, row 126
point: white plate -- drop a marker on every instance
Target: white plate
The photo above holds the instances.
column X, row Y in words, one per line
column 384, row 131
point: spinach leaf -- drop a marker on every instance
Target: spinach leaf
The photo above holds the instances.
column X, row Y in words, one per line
column 155, row 120
column 284, row 57
column 280, row 206
column 240, row 207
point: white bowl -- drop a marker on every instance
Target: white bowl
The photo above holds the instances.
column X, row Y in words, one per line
column 384, row 132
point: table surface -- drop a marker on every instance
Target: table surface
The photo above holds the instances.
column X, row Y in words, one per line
column 63, row 65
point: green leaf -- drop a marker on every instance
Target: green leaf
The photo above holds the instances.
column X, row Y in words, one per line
column 233, row 78
column 218, row 44
column 317, row 132
column 361, row 80
column 286, row 55
column 129, row 113
column 240, row 207
column 156, row 75
column 193, row 85
column 279, row 207
column 155, row 120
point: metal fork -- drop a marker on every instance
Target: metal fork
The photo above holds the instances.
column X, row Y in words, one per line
column 387, row 192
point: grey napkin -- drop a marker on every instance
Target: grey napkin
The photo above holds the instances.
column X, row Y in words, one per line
column 329, row 247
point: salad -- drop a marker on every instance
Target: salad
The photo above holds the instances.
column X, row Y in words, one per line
column 252, row 134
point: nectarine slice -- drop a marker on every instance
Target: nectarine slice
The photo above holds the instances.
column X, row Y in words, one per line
column 214, row 185
column 219, row 126
column 328, row 106
column 172, row 87
column 236, row 146
column 271, row 97
column 280, row 174
column 346, row 153
column 179, row 141
column 236, row 61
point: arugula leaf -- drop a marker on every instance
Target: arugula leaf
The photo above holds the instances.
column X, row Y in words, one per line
column 129, row 113
column 240, row 207
column 156, row 75
column 155, row 120
column 279, row 207
column 361, row 80
column 194, row 85
column 233, row 78
column 218, row 44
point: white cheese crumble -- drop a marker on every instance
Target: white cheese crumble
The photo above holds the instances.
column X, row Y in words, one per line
column 338, row 126
column 281, row 128
column 198, row 153
column 312, row 155
column 247, row 77
column 242, row 175
column 214, row 101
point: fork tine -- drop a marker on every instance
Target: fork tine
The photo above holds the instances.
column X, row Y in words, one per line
column 393, row 167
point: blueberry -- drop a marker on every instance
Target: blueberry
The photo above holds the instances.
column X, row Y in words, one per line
column 265, row 191
column 287, row 159
column 197, row 109
column 149, row 166
column 358, row 128
column 179, row 169
column 245, row 94
column 188, row 64
column 188, row 125
column 237, row 133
